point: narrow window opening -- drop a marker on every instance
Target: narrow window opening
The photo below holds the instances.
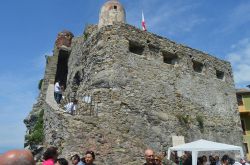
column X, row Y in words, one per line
column 246, row 147
column 198, row 67
column 76, row 81
column 220, row 74
column 62, row 67
column 170, row 58
column 239, row 100
column 115, row 7
column 136, row 48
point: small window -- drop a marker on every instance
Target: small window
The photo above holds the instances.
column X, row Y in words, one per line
column 170, row 58
column 115, row 7
column 198, row 67
column 77, row 79
column 239, row 100
column 136, row 48
column 220, row 74
column 246, row 147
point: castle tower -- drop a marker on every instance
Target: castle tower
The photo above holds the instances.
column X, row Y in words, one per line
column 64, row 38
column 112, row 11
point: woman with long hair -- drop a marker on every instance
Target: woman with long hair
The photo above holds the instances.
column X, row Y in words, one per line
column 50, row 156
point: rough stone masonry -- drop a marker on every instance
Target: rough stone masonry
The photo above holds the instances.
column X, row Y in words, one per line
column 142, row 89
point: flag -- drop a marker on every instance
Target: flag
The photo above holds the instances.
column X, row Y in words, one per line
column 143, row 23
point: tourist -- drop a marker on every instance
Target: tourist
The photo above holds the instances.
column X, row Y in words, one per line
column 187, row 158
column 89, row 158
column 212, row 160
column 71, row 107
column 50, row 156
column 75, row 159
column 204, row 160
column 17, row 157
column 217, row 160
column 158, row 160
column 61, row 161
column 163, row 157
column 57, row 92
column 149, row 157
column 225, row 160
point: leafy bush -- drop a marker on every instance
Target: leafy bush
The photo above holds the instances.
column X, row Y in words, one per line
column 36, row 136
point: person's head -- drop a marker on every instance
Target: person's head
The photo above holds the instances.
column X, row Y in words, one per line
column 61, row 161
column 164, row 153
column 199, row 161
column 89, row 157
column 217, row 158
column 157, row 160
column 50, row 153
column 75, row 101
column 204, row 158
column 242, row 161
column 75, row 159
column 225, row 159
column 149, row 156
column 14, row 157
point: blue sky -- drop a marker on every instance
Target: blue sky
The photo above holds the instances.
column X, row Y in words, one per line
column 29, row 29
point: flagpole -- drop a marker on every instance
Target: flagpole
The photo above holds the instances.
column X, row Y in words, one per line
column 143, row 23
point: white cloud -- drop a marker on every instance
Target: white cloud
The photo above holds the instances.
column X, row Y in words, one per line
column 240, row 59
column 168, row 17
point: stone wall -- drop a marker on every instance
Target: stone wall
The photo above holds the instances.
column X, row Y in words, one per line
column 144, row 89
column 140, row 101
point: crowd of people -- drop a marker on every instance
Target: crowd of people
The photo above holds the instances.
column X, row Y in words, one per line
column 186, row 159
column 50, row 157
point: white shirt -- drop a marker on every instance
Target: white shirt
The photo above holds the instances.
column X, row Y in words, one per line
column 70, row 107
column 57, row 87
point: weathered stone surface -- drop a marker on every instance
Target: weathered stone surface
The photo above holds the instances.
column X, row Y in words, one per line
column 144, row 89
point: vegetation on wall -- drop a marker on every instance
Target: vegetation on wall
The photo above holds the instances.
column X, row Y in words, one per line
column 184, row 120
column 85, row 35
column 40, row 84
column 200, row 123
column 36, row 136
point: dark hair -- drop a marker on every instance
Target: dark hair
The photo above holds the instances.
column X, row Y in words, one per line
column 91, row 153
column 224, row 158
column 62, row 161
column 75, row 157
column 50, row 153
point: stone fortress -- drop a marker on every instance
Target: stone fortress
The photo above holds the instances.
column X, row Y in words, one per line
column 135, row 90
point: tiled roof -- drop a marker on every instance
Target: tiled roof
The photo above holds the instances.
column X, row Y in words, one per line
column 243, row 90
